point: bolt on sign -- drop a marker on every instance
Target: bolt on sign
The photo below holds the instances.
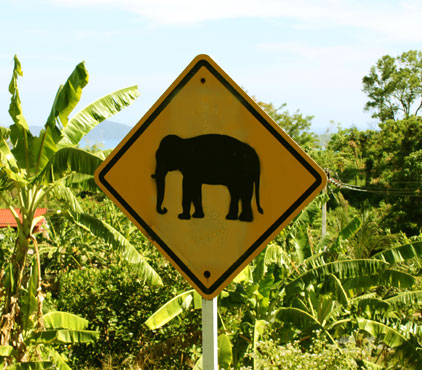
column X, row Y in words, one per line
column 209, row 177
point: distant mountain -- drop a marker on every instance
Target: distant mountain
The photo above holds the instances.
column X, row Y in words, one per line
column 107, row 134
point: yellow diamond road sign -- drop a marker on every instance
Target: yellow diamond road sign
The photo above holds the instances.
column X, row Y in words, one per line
column 208, row 177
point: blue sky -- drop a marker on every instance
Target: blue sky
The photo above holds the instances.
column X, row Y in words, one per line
column 310, row 54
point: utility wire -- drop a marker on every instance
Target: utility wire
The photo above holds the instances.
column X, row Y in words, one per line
column 414, row 193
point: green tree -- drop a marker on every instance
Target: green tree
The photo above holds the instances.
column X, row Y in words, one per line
column 381, row 166
column 394, row 86
column 295, row 125
column 33, row 169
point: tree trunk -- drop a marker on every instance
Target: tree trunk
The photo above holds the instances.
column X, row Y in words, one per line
column 11, row 321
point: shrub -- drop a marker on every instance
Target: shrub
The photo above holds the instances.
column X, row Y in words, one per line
column 293, row 356
column 117, row 303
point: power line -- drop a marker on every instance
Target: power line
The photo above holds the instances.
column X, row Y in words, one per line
column 384, row 191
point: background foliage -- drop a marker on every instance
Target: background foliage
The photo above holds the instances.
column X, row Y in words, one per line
column 350, row 298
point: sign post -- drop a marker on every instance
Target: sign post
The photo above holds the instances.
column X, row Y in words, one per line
column 206, row 166
column 209, row 334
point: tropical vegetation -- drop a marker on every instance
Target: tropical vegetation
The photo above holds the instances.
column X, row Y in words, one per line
column 339, row 288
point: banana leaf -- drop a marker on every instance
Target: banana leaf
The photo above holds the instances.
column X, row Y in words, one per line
column 243, row 275
column 57, row 359
column 274, row 253
column 401, row 253
column 68, row 95
column 372, row 306
column 405, row 299
column 174, row 308
column 6, row 351
column 259, row 329
column 20, row 136
column 64, row 320
column 338, row 290
column 225, row 355
column 4, row 133
column 351, row 229
column 89, row 117
column 389, row 335
column 301, row 320
column 51, row 336
column 400, row 339
column 67, row 195
column 66, row 160
column 32, row 365
column 341, row 269
column 369, row 365
column 113, row 238
column 388, row 277
column 29, row 300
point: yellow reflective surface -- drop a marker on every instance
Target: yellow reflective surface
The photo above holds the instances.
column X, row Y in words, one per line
column 204, row 105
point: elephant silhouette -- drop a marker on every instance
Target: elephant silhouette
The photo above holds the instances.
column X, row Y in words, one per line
column 209, row 159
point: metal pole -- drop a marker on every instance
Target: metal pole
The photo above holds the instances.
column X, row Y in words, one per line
column 324, row 216
column 209, row 334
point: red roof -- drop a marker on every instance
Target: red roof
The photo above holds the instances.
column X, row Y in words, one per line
column 7, row 219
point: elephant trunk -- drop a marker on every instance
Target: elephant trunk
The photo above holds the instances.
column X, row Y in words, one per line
column 160, row 179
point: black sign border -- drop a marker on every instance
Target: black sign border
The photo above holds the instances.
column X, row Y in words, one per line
column 149, row 120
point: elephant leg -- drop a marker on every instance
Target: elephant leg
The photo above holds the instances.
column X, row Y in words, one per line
column 246, row 198
column 234, row 203
column 197, row 201
column 187, row 196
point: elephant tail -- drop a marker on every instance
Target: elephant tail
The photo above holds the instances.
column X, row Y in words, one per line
column 258, row 205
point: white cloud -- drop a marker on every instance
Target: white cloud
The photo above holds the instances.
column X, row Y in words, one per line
column 399, row 20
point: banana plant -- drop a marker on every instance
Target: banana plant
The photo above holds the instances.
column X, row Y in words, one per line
column 305, row 291
column 253, row 292
column 41, row 334
column 305, row 287
column 232, row 344
column 34, row 168
column 176, row 306
column 341, row 297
